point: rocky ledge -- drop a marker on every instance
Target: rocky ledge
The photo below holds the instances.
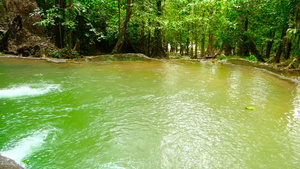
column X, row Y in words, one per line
column 7, row 163
column 287, row 74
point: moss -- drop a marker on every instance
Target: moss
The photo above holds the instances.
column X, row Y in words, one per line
column 119, row 57
column 270, row 67
column 64, row 54
column 228, row 57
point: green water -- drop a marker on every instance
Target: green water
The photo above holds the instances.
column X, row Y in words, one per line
column 147, row 115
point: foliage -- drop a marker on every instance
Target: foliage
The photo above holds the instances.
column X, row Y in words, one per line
column 297, row 53
column 252, row 58
column 27, row 162
column 228, row 57
column 217, row 25
column 55, row 54
column 64, row 54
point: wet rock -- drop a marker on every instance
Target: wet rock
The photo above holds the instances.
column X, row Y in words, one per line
column 11, row 53
column 37, row 48
column 6, row 163
column 26, row 51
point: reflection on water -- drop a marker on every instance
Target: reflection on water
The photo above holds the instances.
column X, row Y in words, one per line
column 149, row 115
column 296, row 103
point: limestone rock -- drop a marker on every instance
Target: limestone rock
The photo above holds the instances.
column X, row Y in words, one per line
column 17, row 31
column 6, row 163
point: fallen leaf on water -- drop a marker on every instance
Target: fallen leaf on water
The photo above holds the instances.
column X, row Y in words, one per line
column 250, row 108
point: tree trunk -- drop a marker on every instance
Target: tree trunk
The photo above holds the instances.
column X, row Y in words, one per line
column 210, row 48
column 192, row 45
column 46, row 6
column 203, row 45
column 187, row 46
column 63, row 31
column 254, row 50
column 149, row 42
column 158, row 51
column 119, row 16
column 77, row 46
column 196, row 44
column 227, row 49
column 121, row 40
column 280, row 48
column 270, row 44
column 57, row 28
column 142, row 31
column 180, row 43
column 187, row 40
column 298, row 23
column 287, row 49
column 149, row 37
column 192, row 50
column 70, row 30
column 143, row 39
column 59, row 32
column 172, row 48
column 243, row 47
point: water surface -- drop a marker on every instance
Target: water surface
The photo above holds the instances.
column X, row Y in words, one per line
column 146, row 115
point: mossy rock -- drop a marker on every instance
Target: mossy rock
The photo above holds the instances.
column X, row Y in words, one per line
column 119, row 57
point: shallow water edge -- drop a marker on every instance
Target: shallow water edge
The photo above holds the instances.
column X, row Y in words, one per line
column 168, row 114
column 289, row 75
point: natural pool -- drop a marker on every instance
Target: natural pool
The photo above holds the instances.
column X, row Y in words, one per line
column 146, row 115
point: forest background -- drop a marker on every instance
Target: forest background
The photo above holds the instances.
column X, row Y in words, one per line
column 263, row 30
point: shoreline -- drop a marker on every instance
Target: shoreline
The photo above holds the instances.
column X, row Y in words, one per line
column 292, row 75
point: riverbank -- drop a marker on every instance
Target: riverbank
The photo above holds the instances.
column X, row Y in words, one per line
column 286, row 74
column 87, row 59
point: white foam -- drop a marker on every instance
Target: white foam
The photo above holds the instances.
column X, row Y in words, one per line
column 26, row 146
column 27, row 90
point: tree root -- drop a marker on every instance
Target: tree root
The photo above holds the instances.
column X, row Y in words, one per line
column 295, row 60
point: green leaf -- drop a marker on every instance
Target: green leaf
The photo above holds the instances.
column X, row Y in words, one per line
column 250, row 108
column 25, row 161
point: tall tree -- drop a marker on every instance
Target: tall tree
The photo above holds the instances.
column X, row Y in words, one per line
column 158, row 51
column 298, row 26
column 122, row 34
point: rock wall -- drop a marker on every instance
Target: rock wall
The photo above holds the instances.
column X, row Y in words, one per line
column 13, row 8
column 27, row 36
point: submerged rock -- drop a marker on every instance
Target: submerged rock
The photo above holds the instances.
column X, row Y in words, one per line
column 7, row 163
